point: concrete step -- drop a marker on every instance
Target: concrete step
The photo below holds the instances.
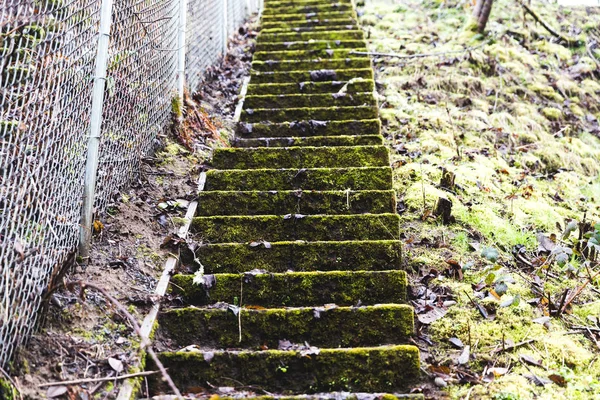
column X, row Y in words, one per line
column 288, row 202
column 301, row 157
column 295, row 289
column 342, row 140
column 359, row 178
column 275, row 228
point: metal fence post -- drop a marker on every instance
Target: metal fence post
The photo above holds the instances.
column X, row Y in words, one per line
column 181, row 29
column 91, row 166
column 224, row 30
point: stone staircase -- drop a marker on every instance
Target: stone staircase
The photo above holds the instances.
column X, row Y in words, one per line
column 304, row 294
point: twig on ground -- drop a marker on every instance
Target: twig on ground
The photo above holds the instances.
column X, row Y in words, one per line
column 92, row 380
column 514, row 346
column 144, row 342
column 12, row 382
column 419, row 55
column 541, row 22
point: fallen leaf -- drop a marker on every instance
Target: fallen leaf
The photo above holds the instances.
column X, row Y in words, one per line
column 465, row 355
column 55, row 391
column 432, row 315
column 115, row 364
column 456, row 342
column 530, row 360
column 208, row 356
column 558, row 379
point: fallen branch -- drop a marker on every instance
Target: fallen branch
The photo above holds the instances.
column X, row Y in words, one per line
column 396, row 55
column 144, row 342
column 92, row 380
column 514, row 346
column 12, row 382
column 577, row 292
column 541, row 22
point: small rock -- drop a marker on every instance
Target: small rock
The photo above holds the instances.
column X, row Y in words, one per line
column 439, row 382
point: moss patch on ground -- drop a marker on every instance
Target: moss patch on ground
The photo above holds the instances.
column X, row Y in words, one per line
column 515, row 118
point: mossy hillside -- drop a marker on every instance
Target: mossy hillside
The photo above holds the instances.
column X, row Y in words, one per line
column 282, row 8
column 376, row 369
column 368, row 255
column 299, row 17
column 301, row 157
column 354, row 326
column 354, row 34
column 310, row 128
column 363, row 140
column 302, row 100
column 515, row 121
column 356, row 85
column 359, row 45
column 307, row 76
column 312, row 64
column 289, row 202
column 371, row 178
column 307, row 23
column 295, row 289
column 272, row 228
column 275, row 115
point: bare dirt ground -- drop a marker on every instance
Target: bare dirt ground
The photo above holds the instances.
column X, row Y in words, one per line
column 83, row 336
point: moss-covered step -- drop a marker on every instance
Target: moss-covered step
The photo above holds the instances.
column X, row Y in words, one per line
column 300, row 17
column 336, row 396
column 301, row 157
column 309, row 100
column 312, row 65
column 309, row 128
column 275, row 115
column 365, row 140
column 275, row 228
column 352, row 255
column 344, row 20
column 284, row 3
column 342, row 27
column 359, row 45
column 298, row 77
column 282, row 8
column 354, row 34
column 360, row 178
column 304, row 202
column 295, row 289
column 370, row 369
column 357, row 85
column 354, row 326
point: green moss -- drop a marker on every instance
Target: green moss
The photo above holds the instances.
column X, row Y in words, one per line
column 287, row 37
column 295, row 289
column 7, row 391
column 288, row 202
column 354, row 326
column 308, row 113
column 307, row 23
column 301, row 157
column 313, row 64
column 282, row 8
column 363, row 140
column 309, row 100
column 358, row 85
column 378, row 369
column 305, row 76
column 266, row 19
column 177, row 107
column 375, row 255
column 377, row 178
column 294, row 55
column 310, row 128
column 240, row 229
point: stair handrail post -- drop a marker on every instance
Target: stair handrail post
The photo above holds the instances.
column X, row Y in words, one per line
column 95, row 127
column 224, row 27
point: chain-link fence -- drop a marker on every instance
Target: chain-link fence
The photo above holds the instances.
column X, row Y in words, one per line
column 48, row 52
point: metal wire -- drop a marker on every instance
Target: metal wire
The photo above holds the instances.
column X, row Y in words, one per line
column 47, row 56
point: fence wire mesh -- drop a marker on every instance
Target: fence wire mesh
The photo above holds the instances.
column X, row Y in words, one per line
column 47, row 65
